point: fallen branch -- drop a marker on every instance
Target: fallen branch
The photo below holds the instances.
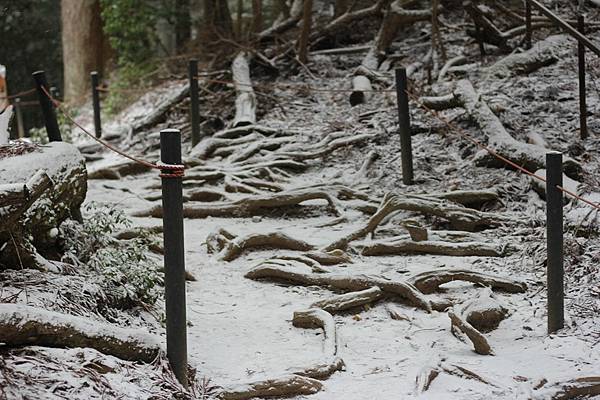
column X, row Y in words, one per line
column 245, row 102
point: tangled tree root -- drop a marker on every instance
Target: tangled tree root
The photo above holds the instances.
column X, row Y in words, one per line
column 231, row 246
column 25, row 325
column 459, row 216
column 430, row 281
column 345, row 283
column 246, row 206
column 285, row 386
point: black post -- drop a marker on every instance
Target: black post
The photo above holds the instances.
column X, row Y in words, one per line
column 194, row 101
column 479, row 35
column 96, row 103
column 47, row 107
column 404, row 126
column 527, row 25
column 583, row 130
column 172, row 205
column 554, row 229
column 19, row 114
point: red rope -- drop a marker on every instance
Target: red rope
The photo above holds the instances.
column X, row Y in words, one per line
column 173, row 171
column 299, row 86
column 20, row 94
column 465, row 135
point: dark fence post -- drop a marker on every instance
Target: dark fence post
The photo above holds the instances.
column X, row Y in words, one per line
column 19, row 114
column 172, row 205
column 554, row 232
column 47, row 107
column 479, row 34
column 583, row 130
column 194, row 102
column 96, row 103
column 527, row 25
column 404, row 126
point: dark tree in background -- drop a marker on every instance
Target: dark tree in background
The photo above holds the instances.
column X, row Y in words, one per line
column 30, row 39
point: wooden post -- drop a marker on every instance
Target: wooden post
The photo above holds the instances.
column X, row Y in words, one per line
column 194, row 101
column 554, row 229
column 47, row 107
column 527, row 25
column 172, row 203
column 304, row 35
column 19, row 114
column 583, row 130
column 95, row 79
column 404, row 126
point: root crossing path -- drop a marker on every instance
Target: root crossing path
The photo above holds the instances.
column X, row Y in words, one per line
column 318, row 275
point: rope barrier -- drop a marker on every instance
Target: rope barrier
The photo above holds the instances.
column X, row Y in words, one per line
column 173, row 171
column 299, row 86
column 524, row 170
column 20, row 94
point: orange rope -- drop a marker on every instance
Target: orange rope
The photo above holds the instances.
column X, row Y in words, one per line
column 465, row 135
column 174, row 171
column 20, row 94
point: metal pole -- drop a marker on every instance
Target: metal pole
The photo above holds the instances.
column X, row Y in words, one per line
column 194, row 101
column 583, row 130
column 554, row 228
column 479, row 35
column 172, row 205
column 47, row 107
column 527, row 25
column 19, row 113
column 95, row 78
column 404, row 126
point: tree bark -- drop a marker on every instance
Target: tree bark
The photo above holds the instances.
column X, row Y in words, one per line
column 82, row 44
column 304, row 35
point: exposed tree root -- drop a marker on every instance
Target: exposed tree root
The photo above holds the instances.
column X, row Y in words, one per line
column 485, row 312
column 318, row 318
column 460, row 217
column 479, row 341
column 403, row 246
column 430, row 281
column 118, row 171
column 330, row 257
column 345, row 283
column 290, row 385
column 326, row 146
column 24, row 325
column 426, row 376
column 231, row 246
column 349, row 300
column 247, row 206
column 569, row 389
column 321, row 370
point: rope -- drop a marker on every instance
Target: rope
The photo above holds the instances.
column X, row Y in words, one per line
column 300, row 86
column 465, row 135
column 168, row 170
column 20, row 94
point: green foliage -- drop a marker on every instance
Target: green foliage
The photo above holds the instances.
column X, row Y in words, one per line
column 121, row 267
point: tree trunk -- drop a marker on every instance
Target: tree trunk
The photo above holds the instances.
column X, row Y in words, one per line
column 83, row 46
column 258, row 16
column 304, row 35
column 217, row 20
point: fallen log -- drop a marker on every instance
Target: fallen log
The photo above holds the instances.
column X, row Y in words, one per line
column 541, row 54
column 524, row 154
column 22, row 325
column 430, row 281
column 245, row 102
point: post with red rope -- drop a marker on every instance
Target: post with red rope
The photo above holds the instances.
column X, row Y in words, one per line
column 172, row 205
column 194, row 101
column 47, row 107
column 554, row 235
column 95, row 79
column 404, row 126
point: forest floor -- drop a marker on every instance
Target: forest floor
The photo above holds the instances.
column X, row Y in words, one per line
column 240, row 330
